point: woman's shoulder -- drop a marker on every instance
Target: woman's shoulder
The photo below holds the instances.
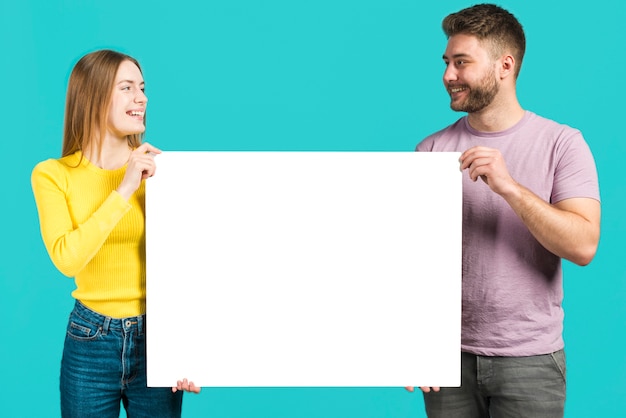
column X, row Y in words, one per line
column 54, row 167
column 69, row 161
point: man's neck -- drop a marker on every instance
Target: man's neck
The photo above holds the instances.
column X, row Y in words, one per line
column 496, row 117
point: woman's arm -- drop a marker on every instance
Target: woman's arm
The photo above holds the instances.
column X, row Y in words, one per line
column 71, row 246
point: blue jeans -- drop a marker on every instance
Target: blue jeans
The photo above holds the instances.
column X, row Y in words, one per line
column 503, row 387
column 104, row 364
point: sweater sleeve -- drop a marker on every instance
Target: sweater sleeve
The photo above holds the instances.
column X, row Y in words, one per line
column 71, row 246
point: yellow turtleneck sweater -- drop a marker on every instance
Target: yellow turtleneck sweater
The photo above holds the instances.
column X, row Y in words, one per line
column 93, row 234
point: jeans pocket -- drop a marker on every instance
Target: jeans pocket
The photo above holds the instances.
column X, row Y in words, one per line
column 558, row 358
column 81, row 329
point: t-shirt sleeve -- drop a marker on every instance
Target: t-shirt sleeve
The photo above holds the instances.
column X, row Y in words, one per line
column 575, row 174
column 426, row 145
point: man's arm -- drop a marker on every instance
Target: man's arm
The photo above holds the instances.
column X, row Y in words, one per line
column 569, row 229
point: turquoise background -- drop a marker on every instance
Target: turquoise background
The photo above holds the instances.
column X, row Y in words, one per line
column 299, row 75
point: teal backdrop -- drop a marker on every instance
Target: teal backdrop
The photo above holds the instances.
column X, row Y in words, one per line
column 354, row 75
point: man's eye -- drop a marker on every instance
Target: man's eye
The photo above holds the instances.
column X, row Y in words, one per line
column 460, row 62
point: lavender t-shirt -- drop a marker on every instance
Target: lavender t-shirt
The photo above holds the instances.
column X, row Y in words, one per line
column 512, row 285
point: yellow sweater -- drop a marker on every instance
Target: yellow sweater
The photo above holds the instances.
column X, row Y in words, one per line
column 93, row 234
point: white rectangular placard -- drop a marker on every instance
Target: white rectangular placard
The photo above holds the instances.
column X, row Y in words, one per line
column 304, row 269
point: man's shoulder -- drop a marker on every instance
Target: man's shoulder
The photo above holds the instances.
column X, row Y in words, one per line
column 460, row 125
column 456, row 128
column 540, row 122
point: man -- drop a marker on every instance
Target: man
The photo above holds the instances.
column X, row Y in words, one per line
column 530, row 198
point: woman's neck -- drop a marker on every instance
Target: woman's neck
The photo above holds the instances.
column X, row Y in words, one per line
column 111, row 155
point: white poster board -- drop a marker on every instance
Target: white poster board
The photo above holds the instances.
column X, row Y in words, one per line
column 304, row 269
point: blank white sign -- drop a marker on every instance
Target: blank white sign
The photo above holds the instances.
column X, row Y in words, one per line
column 304, row 269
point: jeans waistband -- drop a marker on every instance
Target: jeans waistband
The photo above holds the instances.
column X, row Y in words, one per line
column 108, row 323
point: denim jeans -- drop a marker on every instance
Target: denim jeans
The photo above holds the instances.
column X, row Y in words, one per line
column 104, row 364
column 503, row 387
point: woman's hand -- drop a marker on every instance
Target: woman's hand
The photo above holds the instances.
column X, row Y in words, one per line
column 141, row 165
column 186, row 386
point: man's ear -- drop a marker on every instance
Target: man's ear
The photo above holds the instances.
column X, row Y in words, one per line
column 507, row 66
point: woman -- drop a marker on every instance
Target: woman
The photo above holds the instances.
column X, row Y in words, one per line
column 91, row 212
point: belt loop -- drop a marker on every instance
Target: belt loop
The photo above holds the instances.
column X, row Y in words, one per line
column 105, row 325
column 140, row 324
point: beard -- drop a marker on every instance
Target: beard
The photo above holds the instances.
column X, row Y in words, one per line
column 479, row 96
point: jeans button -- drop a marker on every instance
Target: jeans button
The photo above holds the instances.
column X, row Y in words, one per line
column 127, row 323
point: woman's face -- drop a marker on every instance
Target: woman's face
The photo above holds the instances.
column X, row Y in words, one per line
column 128, row 102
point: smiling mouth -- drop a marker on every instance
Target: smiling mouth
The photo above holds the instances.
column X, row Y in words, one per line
column 453, row 90
column 135, row 113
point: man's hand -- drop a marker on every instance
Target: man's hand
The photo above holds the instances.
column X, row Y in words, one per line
column 569, row 228
column 489, row 165
column 425, row 389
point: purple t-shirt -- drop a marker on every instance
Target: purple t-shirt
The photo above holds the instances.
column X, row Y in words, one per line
column 512, row 285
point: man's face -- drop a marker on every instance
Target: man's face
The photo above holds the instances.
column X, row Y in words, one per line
column 470, row 76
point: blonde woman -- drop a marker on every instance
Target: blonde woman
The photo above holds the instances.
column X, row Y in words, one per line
column 91, row 212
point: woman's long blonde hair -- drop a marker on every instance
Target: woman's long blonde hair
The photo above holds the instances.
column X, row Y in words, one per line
column 88, row 97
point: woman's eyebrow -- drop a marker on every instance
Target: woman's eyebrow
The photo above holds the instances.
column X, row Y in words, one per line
column 131, row 82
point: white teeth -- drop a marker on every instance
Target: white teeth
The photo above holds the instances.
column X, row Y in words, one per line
column 135, row 113
column 457, row 89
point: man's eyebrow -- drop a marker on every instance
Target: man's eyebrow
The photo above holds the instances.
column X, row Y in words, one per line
column 461, row 55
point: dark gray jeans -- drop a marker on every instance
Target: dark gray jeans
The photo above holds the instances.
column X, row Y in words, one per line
column 503, row 387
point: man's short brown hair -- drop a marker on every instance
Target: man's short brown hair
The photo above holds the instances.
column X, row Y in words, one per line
column 492, row 24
